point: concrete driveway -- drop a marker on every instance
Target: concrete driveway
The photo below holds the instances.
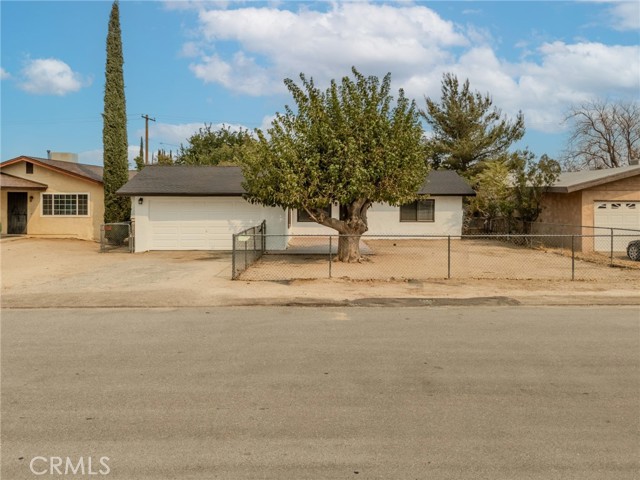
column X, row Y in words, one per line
column 72, row 273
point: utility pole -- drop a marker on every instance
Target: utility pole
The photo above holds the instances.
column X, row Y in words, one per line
column 146, row 137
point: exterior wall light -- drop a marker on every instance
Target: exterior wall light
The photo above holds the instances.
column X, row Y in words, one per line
column 140, row 200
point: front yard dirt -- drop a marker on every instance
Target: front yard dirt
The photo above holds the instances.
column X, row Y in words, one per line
column 44, row 273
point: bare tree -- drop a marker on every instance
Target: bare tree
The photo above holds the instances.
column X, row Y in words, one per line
column 604, row 134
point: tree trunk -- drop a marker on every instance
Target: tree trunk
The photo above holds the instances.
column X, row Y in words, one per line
column 351, row 225
column 349, row 247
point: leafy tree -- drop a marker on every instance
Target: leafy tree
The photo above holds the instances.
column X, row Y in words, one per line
column 512, row 187
column 531, row 180
column 164, row 158
column 213, row 147
column 604, row 134
column 114, row 130
column 467, row 130
column 139, row 160
column 349, row 145
column 494, row 197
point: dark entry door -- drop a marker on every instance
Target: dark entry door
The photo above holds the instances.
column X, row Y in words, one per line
column 17, row 212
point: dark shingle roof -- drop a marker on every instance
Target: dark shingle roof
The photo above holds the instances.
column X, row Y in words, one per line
column 185, row 180
column 189, row 180
column 445, row 182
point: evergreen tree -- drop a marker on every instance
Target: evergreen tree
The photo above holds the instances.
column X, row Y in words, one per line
column 467, row 129
column 114, row 130
column 139, row 160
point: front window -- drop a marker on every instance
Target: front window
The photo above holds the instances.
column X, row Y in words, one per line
column 65, row 204
column 418, row 211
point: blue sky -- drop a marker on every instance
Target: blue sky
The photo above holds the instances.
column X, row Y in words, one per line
column 187, row 63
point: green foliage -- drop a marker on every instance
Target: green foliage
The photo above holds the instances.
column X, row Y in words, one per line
column 513, row 187
column 139, row 160
column 493, row 191
column 164, row 158
column 531, row 179
column 214, row 147
column 467, row 130
column 114, row 130
column 348, row 144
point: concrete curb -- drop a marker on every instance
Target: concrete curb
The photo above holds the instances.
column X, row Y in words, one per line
column 382, row 302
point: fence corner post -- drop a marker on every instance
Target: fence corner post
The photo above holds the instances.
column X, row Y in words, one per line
column 449, row 257
column 611, row 258
column 330, row 253
column 233, row 256
column 573, row 257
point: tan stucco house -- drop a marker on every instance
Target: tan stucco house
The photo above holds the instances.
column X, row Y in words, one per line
column 592, row 202
column 51, row 197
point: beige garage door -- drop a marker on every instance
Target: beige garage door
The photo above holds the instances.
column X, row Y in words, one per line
column 621, row 216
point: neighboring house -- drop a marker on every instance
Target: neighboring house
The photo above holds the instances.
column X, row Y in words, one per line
column 54, row 198
column 200, row 207
column 596, row 198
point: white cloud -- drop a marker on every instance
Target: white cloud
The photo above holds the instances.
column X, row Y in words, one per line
column 50, row 76
column 625, row 15
column 253, row 49
column 276, row 44
column 4, row 74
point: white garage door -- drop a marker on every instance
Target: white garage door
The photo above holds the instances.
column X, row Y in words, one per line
column 617, row 215
column 205, row 223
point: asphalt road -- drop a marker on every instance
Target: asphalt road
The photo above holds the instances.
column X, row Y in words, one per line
column 323, row 393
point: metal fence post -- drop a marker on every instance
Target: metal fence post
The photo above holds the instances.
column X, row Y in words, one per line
column 449, row 257
column 233, row 257
column 611, row 258
column 330, row 248
column 573, row 257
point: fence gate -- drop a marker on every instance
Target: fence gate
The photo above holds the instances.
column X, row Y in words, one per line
column 116, row 236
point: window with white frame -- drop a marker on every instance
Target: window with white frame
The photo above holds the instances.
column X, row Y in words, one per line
column 65, row 204
column 418, row 211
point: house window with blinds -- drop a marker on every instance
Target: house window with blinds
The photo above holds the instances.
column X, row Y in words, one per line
column 418, row 211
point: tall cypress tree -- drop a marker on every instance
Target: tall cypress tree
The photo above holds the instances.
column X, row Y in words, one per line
column 114, row 130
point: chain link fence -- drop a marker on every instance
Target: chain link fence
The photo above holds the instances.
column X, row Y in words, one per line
column 509, row 256
column 248, row 246
column 116, row 236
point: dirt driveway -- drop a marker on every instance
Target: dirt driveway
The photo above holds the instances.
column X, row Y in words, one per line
column 72, row 273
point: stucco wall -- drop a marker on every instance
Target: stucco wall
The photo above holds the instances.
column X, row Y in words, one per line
column 83, row 227
column 384, row 219
column 198, row 215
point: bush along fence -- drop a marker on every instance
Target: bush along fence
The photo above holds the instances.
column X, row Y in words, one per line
column 248, row 246
column 116, row 236
column 509, row 256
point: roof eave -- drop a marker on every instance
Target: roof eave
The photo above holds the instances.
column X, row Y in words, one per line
column 175, row 194
column 36, row 161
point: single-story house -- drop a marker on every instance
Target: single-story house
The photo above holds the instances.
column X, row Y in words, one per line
column 200, row 207
column 51, row 197
column 586, row 199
